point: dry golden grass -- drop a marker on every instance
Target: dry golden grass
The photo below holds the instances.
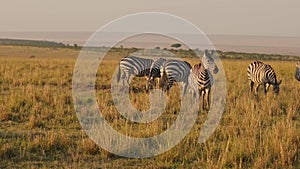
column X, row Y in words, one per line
column 39, row 127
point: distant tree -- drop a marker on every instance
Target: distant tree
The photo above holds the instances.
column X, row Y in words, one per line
column 75, row 45
column 157, row 47
column 133, row 49
column 176, row 45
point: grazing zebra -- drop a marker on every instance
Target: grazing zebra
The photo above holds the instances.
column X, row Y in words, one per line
column 262, row 74
column 201, row 79
column 297, row 72
column 132, row 65
column 155, row 71
column 174, row 71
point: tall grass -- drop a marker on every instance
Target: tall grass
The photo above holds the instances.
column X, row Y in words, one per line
column 39, row 127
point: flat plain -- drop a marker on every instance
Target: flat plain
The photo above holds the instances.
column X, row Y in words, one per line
column 39, row 127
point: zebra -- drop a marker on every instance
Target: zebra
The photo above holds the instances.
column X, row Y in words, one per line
column 201, row 78
column 132, row 65
column 173, row 70
column 297, row 72
column 262, row 74
column 155, row 71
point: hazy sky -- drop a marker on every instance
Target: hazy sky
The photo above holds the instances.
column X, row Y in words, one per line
column 255, row 17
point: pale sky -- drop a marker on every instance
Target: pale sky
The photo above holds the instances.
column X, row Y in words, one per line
column 233, row 17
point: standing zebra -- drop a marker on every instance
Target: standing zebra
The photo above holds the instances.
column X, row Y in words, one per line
column 201, row 78
column 297, row 72
column 155, row 71
column 174, row 71
column 262, row 74
column 132, row 65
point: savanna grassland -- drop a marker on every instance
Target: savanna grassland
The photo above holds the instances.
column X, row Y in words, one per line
column 39, row 127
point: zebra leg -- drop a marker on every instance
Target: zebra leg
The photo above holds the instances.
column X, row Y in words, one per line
column 203, row 99
column 123, row 77
column 265, row 89
column 163, row 84
column 200, row 97
column 251, row 86
column 169, row 86
column 208, row 98
column 147, row 84
column 185, row 85
column 151, row 83
column 127, row 80
column 168, row 89
column 194, row 93
column 256, row 90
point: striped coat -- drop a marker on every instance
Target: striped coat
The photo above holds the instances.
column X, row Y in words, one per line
column 201, row 80
column 132, row 65
column 155, row 71
column 260, row 73
column 174, row 71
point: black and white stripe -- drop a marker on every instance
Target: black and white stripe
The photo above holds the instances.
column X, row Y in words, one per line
column 262, row 74
column 155, row 71
column 174, row 71
column 297, row 72
column 132, row 65
column 201, row 80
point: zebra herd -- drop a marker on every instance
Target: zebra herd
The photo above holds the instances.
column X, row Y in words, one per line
column 198, row 76
column 169, row 71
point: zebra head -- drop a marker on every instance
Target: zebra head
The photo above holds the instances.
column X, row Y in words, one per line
column 209, row 62
column 155, row 71
column 276, row 87
column 298, row 66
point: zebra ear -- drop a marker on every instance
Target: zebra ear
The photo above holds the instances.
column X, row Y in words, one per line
column 279, row 82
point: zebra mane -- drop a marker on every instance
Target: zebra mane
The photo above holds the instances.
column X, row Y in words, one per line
column 197, row 66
